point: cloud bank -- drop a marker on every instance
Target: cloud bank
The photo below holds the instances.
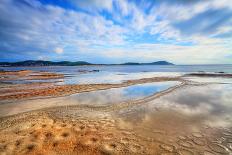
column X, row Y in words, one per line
column 114, row 31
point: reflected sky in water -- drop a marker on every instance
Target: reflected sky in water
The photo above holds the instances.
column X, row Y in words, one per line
column 111, row 77
column 95, row 98
column 209, row 79
column 90, row 74
column 187, row 108
column 130, row 68
column 116, row 95
column 97, row 77
column 186, row 115
column 104, row 74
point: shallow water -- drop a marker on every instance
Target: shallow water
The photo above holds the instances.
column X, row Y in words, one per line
column 221, row 80
column 130, row 68
column 116, row 95
column 196, row 118
column 95, row 98
column 97, row 77
column 111, row 77
column 213, row 103
column 117, row 73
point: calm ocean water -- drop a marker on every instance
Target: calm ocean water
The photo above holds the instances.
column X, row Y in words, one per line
column 117, row 74
column 131, row 68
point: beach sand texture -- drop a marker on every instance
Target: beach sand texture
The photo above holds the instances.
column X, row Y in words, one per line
column 140, row 126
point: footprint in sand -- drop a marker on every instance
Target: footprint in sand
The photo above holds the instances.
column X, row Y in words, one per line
column 135, row 148
column 65, row 134
column 167, row 147
column 182, row 138
column 108, row 136
column 30, row 147
column 218, row 148
column 49, row 135
column 125, row 140
column 55, row 144
column 18, row 142
column 110, row 147
column 92, row 141
column 186, row 144
column 80, row 128
column 197, row 135
column 229, row 146
column 43, row 125
column 199, row 141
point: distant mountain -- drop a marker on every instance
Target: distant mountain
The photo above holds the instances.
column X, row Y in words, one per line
column 152, row 63
column 69, row 63
column 44, row 63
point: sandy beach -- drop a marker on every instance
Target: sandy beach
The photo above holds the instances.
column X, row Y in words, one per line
column 115, row 77
column 42, row 118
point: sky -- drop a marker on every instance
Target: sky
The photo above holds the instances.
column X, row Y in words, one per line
column 117, row 31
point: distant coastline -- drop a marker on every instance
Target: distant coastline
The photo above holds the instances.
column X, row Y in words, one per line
column 69, row 63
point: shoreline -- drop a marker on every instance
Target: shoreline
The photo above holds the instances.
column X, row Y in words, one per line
column 33, row 90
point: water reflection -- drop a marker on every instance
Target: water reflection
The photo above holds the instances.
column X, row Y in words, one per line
column 106, row 77
column 116, row 95
column 213, row 104
column 95, row 98
column 96, row 77
column 196, row 118
column 210, row 79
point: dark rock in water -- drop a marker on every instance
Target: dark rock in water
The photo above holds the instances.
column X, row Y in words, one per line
column 87, row 71
column 209, row 75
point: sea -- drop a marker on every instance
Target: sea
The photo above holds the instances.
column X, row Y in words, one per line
column 118, row 73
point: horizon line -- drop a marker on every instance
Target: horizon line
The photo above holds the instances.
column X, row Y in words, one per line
column 108, row 63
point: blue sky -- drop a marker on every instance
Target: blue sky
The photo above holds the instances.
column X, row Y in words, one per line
column 116, row 31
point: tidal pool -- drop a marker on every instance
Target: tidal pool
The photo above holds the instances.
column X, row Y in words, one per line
column 192, row 120
column 113, row 77
column 94, row 98
column 116, row 95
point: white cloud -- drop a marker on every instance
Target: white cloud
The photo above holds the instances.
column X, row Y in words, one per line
column 59, row 50
column 208, row 52
column 53, row 27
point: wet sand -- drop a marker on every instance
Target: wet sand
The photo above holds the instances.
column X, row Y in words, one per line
column 139, row 129
column 187, row 119
column 36, row 90
column 28, row 75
